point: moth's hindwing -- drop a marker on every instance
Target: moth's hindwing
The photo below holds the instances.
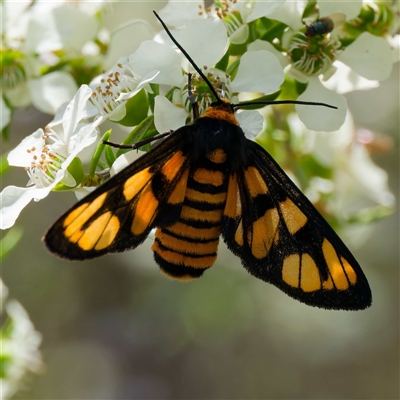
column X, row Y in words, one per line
column 282, row 239
column 119, row 215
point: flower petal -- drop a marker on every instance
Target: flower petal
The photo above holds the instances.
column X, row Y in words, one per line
column 370, row 56
column 85, row 136
column 321, row 118
column 259, row 71
column 152, row 56
column 178, row 13
column 5, row 113
column 150, row 77
column 240, row 35
column 50, row 91
column 350, row 8
column 264, row 8
column 74, row 26
column 137, row 31
column 75, row 111
column 19, row 157
column 251, row 121
column 14, row 199
column 124, row 160
column 290, row 13
column 208, row 47
column 264, row 45
column 168, row 116
column 345, row 80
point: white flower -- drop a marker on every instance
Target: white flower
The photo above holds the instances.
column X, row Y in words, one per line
column 359, row 184
column 34, row 34
column 235, row 14
column 322, row 63
column 46, row 157
column 112, row 89
column 259, row 71
column 19, row 344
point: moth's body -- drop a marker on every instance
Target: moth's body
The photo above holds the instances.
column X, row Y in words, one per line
column 188, row 245
column 208, row 180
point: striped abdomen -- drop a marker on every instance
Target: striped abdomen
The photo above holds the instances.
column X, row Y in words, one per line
column 185, row 249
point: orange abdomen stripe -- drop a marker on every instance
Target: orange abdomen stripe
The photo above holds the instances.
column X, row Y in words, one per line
column 186, row 248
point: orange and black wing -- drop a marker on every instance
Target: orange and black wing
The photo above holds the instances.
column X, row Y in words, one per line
column 282, row 239
column 119, row 215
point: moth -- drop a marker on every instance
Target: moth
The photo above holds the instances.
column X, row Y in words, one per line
column 207, row 181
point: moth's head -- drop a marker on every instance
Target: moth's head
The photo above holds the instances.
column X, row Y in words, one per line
column 221, row 109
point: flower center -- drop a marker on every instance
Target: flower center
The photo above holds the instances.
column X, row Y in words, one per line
column 226, row 11
column 45, row 163
column 201, row 92
column 110, row 87
column 377, row 19
column 314, row 55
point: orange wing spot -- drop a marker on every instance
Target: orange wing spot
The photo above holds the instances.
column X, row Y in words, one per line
column 145, row 211
column 294, row 218
column 239, row 234
column 183, row 246
column 218, row 156
column 87, row 211
column 173, row 165
column 264, row 233
column 335, row 267
column 206, row 176
column 136, row 183
column 328, row 284
column 178, row 194
column 74, row 214
column 291, row 270
column 180, row 259
column 255, row 182
column 233, row 208
column 351, row 275
column 94, row 231
column 192, row 214
column 310, row 279
column 76, row 236
column 109, row 233
column 200, row 197
column 184, row 230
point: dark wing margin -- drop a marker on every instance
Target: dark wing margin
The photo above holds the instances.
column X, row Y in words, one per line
column 119, row 214
column 282, row 239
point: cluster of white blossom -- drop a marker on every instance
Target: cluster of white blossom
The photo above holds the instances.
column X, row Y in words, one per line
column 247, row 50
column 243, row 59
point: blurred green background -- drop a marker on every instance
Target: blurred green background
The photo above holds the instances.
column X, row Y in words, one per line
column 115, row 328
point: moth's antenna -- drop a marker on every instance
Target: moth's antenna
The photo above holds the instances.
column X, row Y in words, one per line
column 266, row 103
column 199, row 71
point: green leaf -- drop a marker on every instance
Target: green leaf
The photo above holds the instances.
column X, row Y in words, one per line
column 5, row 133
column 4, row 167
column 77, row 171
column 136, row 109
column 137, row 133
column 110, row 156
column 97, row 154
column 223, row 63
column 10, row 240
